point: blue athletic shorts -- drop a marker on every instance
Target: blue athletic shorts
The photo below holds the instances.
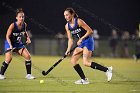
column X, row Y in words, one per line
column 15, row 45
column 88, row 42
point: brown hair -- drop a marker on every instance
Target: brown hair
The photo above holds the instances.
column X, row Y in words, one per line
column 19, row 10
column 72, row 11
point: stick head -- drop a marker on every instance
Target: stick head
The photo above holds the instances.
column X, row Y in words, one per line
column 44, row 73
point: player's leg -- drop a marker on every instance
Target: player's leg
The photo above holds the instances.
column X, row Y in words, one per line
column 87, row 51
column 86, row 55
column 8, row 58
column 75, row 57
column 94, row 65
column 24, row 52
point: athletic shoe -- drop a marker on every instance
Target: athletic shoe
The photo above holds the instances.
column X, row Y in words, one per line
column 82, row 81
column 2, row 77
column 135, row 58
column 29, row 76
column 109, row 73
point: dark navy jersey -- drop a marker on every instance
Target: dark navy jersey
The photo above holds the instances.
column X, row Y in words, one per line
column 76, row 31
column 17, row 34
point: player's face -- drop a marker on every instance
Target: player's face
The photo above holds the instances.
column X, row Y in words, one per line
column 68, row 16
column 20, row 17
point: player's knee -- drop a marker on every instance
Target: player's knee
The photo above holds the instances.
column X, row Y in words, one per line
column 8, row 60
column 73, row 62
column 86, row 63
column 28, row 57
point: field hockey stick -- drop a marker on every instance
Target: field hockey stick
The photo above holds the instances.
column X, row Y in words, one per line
column 54, row 65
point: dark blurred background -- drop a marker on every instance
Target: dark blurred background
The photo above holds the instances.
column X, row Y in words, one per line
column 46, row 16
column 46, row 22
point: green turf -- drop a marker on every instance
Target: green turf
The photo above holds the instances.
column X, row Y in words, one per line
column 126, row 77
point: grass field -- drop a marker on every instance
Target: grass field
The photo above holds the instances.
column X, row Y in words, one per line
column 126, row 77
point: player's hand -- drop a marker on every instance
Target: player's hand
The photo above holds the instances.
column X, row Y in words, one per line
column 11, row 47
column 28, row 41
column 67, row 52
column 79, row 42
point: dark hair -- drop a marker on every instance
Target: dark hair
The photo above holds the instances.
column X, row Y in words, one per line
column 71, row 10
column 19, row 10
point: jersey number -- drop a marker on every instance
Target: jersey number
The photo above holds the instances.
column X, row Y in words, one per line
column 18, row 39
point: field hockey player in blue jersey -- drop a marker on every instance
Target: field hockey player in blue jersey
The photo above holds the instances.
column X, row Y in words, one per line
column 13, row 42
column 77, row 28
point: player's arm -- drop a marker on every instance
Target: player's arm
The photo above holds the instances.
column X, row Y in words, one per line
column 8, row 34
column 70, row 39
column 86, row 27
column 28, row 40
